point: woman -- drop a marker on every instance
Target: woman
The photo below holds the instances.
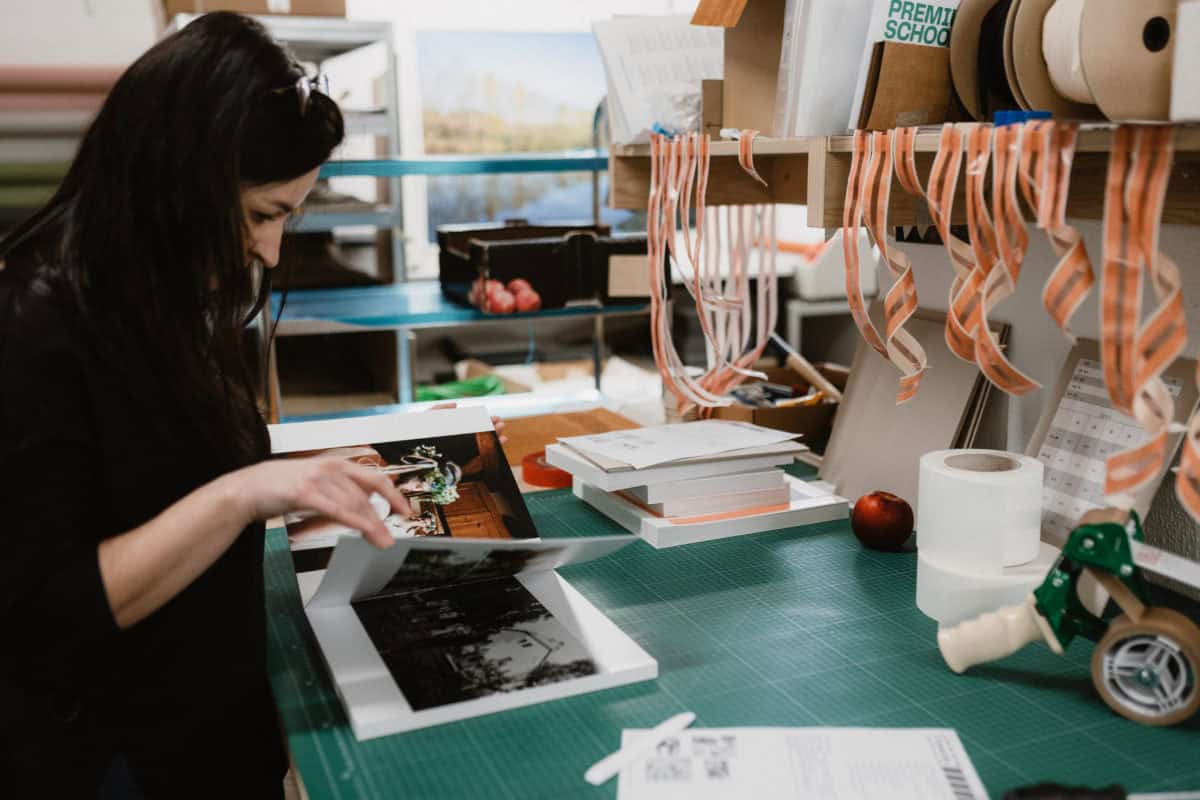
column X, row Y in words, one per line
column 132, row 474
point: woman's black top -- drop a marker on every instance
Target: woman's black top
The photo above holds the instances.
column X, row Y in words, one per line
column 91, row 447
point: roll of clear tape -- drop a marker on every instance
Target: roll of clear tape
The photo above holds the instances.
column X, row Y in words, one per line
column 951, row 595
column 1062, row 47
column 979, row 511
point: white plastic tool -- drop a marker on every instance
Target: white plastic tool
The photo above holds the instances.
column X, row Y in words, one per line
column 607, row 767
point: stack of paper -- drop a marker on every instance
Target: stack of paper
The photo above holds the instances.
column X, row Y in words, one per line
column 823, row 41
column 677, row 484
column 653, row 66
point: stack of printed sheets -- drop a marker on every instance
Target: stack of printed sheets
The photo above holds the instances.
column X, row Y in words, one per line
column 696, row 481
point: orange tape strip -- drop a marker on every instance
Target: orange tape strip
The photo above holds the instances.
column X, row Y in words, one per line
column 1001, row 283
column 1049, row 170
column 852, row 216
column 900, row 302
column 943, row 182
column 1120, row 282
column 537, row 472
column 1163, row 336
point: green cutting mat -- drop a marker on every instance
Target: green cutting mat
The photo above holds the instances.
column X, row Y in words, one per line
column 799, row 627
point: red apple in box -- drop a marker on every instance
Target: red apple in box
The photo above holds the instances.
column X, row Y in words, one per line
column 491, row 295
column 528, row 300
column 476, row 295
column 518, row 285
column 882, row 521
column 501, row 302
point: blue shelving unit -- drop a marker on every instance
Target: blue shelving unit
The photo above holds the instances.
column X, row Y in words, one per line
column 409, row 306
column 508, row 163
column 405, row 308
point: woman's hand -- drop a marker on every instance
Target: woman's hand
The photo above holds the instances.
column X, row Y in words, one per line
column 330, row 486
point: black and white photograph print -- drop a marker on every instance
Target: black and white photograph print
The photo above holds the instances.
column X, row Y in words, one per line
column 457, row 485
column 428, row 568
column 468, row 640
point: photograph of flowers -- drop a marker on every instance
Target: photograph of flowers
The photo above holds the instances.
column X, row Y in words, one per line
column 457, row 485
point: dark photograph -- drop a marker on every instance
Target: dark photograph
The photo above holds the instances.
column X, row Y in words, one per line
column 429, row 569
column 470, row 640
column 457, row 485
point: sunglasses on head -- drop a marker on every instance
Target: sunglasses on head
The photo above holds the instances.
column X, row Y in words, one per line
column 305, row 86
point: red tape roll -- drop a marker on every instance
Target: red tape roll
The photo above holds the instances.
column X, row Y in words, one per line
column 536, row 472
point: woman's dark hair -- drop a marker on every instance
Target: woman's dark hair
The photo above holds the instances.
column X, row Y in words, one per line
column 146, row 230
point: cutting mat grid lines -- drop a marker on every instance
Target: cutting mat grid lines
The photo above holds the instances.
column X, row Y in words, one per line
column 798, row 627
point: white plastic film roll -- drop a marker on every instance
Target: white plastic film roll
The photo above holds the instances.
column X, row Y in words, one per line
column 979, row 510
column 951, row 595
column 1062, row 43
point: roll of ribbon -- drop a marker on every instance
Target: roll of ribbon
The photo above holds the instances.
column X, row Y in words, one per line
column 951, row 595
column 536, row 471
column 1062, row 42
column 1032, row 72
column 1114, row 54
column 977, row 57
column 994, row 92
column 979, row 510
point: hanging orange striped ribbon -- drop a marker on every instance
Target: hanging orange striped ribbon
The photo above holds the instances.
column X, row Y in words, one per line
column 900, row 302
column 756, row 231
column 1163, row 336
column 1120, row 282
column 1012, row 242
column 943, row 182
column 852, row 214
column 1048, row 153
column 746, row 154
column 667, row 158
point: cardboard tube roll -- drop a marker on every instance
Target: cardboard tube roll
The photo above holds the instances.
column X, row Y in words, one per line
column 979, row 510
column 1062, row 41
column 951, row 595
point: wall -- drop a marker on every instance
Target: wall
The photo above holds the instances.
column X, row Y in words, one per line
column 83, row 32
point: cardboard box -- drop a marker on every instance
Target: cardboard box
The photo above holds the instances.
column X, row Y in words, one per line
column 909, row 84
column 299, row 8
column 753, row 44
column 474, row 368
column 813, row 422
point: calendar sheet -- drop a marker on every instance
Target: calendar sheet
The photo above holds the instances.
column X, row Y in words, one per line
column 1084, row 431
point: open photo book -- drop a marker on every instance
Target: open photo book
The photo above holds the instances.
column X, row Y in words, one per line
column 437, row 630
column 465, row 615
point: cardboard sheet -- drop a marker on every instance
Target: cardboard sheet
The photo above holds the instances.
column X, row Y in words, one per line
column 876, row 445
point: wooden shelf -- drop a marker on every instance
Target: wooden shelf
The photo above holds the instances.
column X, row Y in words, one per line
column 813, row 172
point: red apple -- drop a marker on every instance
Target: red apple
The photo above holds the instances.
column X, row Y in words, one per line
column 475, row 296
column 501, row 302
column 518, row 285
column 882, row 521
column 491, row 294
column 528, row 300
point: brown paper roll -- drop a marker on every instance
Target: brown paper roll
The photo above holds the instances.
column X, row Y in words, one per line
column 964, row 52
column 1127, row 50
column 1010, row 63
column 1030, row 65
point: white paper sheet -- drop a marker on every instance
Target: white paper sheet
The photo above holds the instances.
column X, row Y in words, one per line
column 789, row 763
column 646, row 447
column 823, row 42
column 647, row 60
